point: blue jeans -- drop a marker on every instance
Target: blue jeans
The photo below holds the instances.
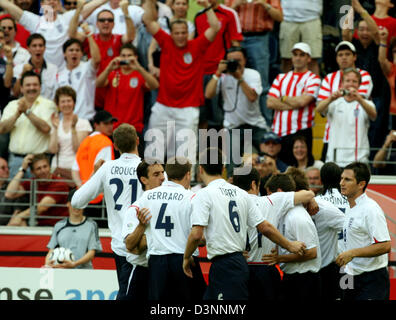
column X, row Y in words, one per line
column 258, row 58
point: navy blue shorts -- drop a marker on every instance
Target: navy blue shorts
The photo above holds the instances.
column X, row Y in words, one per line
column 138, row 284
column 228, row 278
column 301, row 286
column 264, row 282
column 124, row 269
column 373, row 285
column 167, row 280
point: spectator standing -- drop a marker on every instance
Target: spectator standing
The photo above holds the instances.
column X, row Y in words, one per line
column 37, row 63
column 181, row 85
column 349, row 114
column 77, row 233
column 300, row 17
column 292, row 96
column 117, row 179
column 68, row 131
column 240, row 89
column 257, row 20
column 20, row 55
column 346, row 57
column 52, row 25
column 109, row 44
column 388, row 66
column 70, row 5
column 28, row 120
column 81, row 75
column 271, row 145
column 229, row 34
column 366, row 238
column 49, row 192
column 6, row 71
column 126, row 82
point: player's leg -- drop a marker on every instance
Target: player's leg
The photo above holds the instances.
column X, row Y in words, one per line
column 124, row 269
column 138, row 284
column 158, row 281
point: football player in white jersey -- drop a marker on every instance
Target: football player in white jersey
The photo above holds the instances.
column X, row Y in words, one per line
column 167, row 230
column 151, row 175
column 118, row 180
column 223, row 212
column 366, row 238
column 264, row 279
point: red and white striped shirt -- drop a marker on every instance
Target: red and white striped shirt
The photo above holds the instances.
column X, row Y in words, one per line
column 332, row 82
column 293, row 84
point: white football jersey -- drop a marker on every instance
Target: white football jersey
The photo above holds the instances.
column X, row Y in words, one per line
column 170, row 225
column 329, row 222
column 118, row 180
column 272, row 208
column 226, row 211
column 297, row 225
column 335, row 197
column 364, row 225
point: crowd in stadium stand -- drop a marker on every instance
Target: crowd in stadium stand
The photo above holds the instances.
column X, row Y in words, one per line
column 72, row 71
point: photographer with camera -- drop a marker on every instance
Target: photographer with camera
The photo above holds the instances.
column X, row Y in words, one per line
column 125, row 82
column 349, row 113
column 240, row 88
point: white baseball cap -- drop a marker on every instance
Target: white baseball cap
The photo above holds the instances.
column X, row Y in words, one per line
column 345, row 44
column 303, row 47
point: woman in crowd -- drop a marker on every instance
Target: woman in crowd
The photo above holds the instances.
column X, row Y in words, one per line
column 301, row 158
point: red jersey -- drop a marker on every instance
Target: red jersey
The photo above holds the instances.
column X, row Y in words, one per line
column 125, row 98
column 294, row 84
column 50, row 189
column 230, row 30
column 181, row 79
column 108, row 51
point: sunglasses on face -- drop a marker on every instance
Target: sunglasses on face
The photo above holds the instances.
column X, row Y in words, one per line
column 106, row 19
column 70, row 3
column 8, row 28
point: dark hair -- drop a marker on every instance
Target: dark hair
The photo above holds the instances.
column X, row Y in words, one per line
column 142, row 169
column 299, row 178
column 311, row 159
column 13, row 21
column 104, row 10
column 70, row 42
column 125, row 137
column 30, row 73
column 34, row 36
column 361, row 171
column 244, row 181
column 212, row 161
column 281, row 181
column 70, row 195
column 177, row 167
column 129, row 46
column 237, row 49
column 330, row 174
column 67, row 91
column 177, row 21
column 38, row 157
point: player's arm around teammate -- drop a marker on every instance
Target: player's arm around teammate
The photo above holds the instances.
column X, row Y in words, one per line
column 135, row 242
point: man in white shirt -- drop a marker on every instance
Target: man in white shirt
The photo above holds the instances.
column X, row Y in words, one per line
column 81, row 75
column 37, row 63
column 167, row 232
column 264, row 279
column 52, row 25
column 366, row 238
column 223, row 213
column 118, row 180
column 241, row 89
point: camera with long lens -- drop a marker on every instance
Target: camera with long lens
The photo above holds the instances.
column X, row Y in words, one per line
column 232, row 65
column 345, row 92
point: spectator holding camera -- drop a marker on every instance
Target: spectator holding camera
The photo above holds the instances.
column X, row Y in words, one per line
column 349, row 113
column 241, row 88
column 126, row 82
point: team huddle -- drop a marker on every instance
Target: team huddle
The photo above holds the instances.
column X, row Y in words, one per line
column 288, row 244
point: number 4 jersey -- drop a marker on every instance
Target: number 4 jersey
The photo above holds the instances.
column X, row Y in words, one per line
column 226, row 211
column 170, row 223
column 118, row 180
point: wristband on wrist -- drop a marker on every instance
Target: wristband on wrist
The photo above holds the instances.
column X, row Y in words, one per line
column 383, row 45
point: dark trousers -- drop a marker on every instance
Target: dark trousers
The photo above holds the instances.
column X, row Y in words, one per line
column 373, row 285
column 301, row 287
column 330, row 279
column 264, row 282
column 228, row 278
column 138, row 284
column 124, row 269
